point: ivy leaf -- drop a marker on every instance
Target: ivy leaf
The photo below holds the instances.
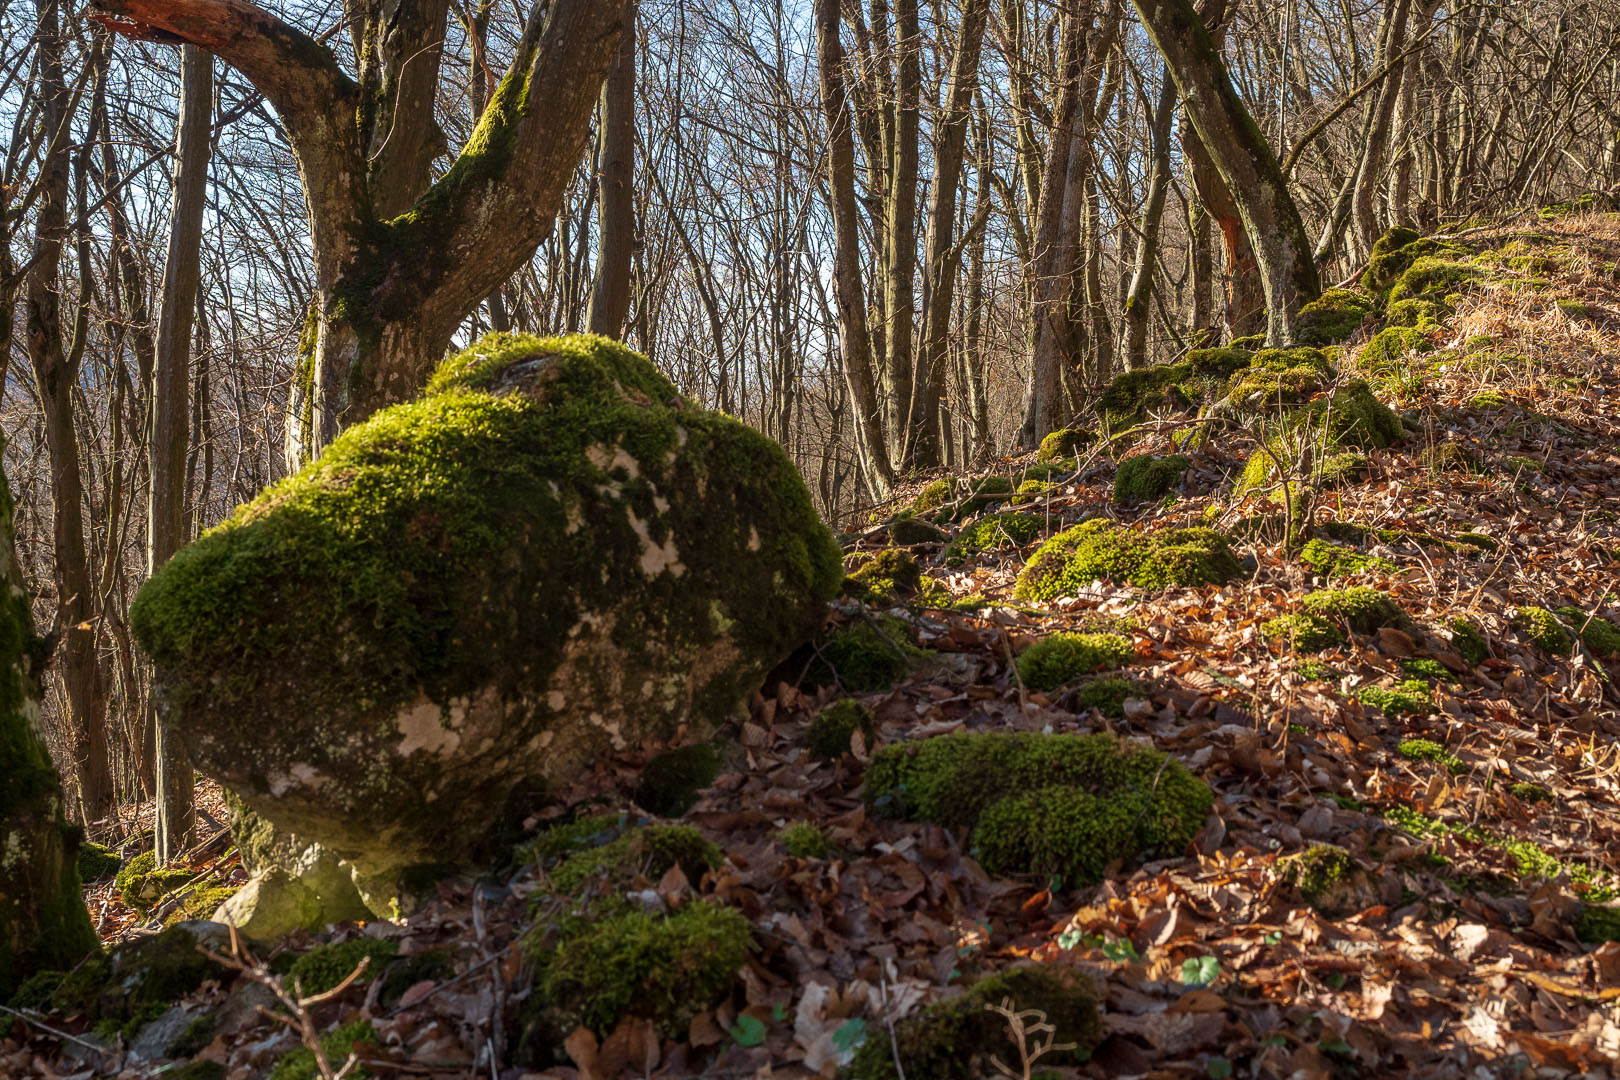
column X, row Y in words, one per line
column 1200, row 970
column 850, row 1034
column 748, row 1030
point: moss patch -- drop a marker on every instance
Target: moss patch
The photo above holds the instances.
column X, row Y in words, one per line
column 1598, row 924
column 336, row 1046
column 142, row 886
column 805, row 840
column 1328, row 878
column 867, row 656
column 1108, row 694
column 908, row 529
column 1410, row 697
column 1362, row 609
column 1336, row 560
column 326, row 966
column 956, row 1039
column 1062, row 658
column 1058, row 806
column 1064, row 444
column 829, row 734
column 1145, row 477
column 1468, row 642
column 1542, row 627
column 1332, row 317
column 97, row 862
column 1428, row 750
column 1304, row 632
column 671, row 781
column 1010, row 529
column 1098, row 548
column 889, row 575
column 1597, row 634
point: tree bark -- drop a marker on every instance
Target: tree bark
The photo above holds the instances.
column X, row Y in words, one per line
column 43, row 921
column 1371, row 167
column 167, row 527
column 900, row 250
column 943, row 256
column 1242, row 157
column 1140, row 295
column 854, row 340
column 616, row 213
column 55, row 365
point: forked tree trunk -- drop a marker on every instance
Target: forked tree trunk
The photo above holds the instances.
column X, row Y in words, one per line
column 1242, row 157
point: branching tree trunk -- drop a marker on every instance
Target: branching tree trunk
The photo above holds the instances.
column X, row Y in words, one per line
column 1243, row 158
column 397, row 267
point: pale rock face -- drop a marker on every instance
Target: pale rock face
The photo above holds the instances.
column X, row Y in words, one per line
column 548, row 557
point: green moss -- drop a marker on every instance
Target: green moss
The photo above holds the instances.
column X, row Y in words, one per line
column 434, row 964
column 1329, row 878
column 1362, row 609
column 1478, row 540
column 1062, row 658
column 948, row 502
column 869, row 655
column 1597, row 634
column 200, row 904
column 907, row 529
column 624, row 854
column 1317, row 671
column 1135, row 394
column 1332, row 317
column 35, row 991
column 1422, row 315
column 1009, row 529
column 1431, row 278
column 1146, row 477
column 1030, row 490
column 1304, row 632
column 326, row 966
column 1448, row 457
column 436, row 552
column 1065, row 444
column 671, row 781
column 1108, row 693
column 829, row 734
column 336, row 1046
column 1249, row 342
column 1598, row 925
column 1387, row 262
column 1392, row 344
column 1489, row 399
column 1530, row 793
column 933, row 495
column 667, row 968
column 135, row 976
column 97, row 862
column 142, row 886
column 956, row 1039
column 1542, row 627
column 195, row 1038
column 804, row 840
column 1284, row 376
column 1098, row 548
column 1409, row 697
column 1336, row 560
column 1427, row 750
column 1577, row 310
column 1337, row 470
column 1468, row 642
column 889, row 575
column 1063, row 806
column 1433, row 670
column 1517, row 463
column 1353, row 417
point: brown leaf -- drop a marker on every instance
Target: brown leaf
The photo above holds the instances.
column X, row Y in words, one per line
column 581, row 1047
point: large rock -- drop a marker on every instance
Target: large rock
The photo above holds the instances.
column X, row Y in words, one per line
column 549, row 556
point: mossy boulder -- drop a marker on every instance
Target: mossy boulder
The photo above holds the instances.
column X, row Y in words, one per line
column 1062, row 658
column 1099, row 548
column 1145, row 477
column 908, row 529
column 139, row 977
column 1361, row 609
column 1133, row 395
column 142, row 884
column 1008, row 529
column 326, row 966
column 97, row 861
column 1332, row 317
column 1065, row 444
column 1056, row 806
column 550, row 556
column 959, row 1037
column 831, row 733
column 1280, row 376
column 866, row 656
column 295, row 884
column 888, row 576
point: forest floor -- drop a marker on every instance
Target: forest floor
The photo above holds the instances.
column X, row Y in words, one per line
column 1457, row 952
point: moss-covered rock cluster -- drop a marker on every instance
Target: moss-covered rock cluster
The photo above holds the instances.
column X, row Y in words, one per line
column 1332, row 317
column 1065, row 443
column 830, row 734
column 142, row 884
column 1058, row 806
column 548, row 556
column 601, row 956
column 1145, row 477
column 1062, row 658
column 957, row 1038
column 1008, row 529
column 1102, row 549
column 864, row 657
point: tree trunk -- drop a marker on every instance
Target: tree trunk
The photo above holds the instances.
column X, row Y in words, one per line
column 855, row 343
column 1140, row 295
column 610, row 297
column 43, row 921
column 56, row 370
column 167, row 529
column 900, row 250
column 1370, row 170
column 943, row 257
column 1242, row 157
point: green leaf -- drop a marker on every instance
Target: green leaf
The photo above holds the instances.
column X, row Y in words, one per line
column 1273, row 938
column 1200, row 970
column 1218, row 1068
column 779, row 1013
column 748, row 1030
column 1070, row 938
column 850, row 1034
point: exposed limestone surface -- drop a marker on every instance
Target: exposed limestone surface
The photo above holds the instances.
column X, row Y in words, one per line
column 549, row 556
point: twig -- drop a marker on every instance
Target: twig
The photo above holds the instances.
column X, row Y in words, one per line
column 25, row 1018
